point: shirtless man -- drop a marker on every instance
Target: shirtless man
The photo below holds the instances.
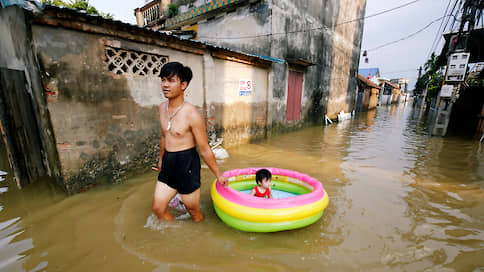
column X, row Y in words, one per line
column 182, row 128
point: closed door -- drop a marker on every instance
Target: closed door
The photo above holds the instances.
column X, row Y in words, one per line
column 294, row 93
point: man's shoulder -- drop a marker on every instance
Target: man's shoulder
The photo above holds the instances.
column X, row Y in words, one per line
column 193, row 112
column 192, row 109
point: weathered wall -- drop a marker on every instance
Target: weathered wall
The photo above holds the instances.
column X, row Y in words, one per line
column 17, row 54
column 241, row 117
column 373, row 98
column 315, row 46
column 247, row 21
column 105, row 120
column 346, row 48
column 103, row 123
column 275, row 29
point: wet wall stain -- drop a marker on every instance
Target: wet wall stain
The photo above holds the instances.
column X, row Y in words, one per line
column 102, row 134
column 355, row 60
column 261, row 12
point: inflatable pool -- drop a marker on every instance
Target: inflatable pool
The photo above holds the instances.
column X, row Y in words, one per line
column 254, row 214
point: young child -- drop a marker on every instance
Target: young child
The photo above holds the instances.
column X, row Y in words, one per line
column 263, row 188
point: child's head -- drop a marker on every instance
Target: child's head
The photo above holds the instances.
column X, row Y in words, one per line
column 261, row 175
column 184, row 73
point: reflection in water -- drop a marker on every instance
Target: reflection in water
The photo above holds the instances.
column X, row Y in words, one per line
column 399, row 200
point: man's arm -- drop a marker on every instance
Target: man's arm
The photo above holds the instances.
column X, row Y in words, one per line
column 200, row 135
column 162, row 150
column 162, row 143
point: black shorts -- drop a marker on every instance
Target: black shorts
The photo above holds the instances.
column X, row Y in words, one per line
column 181, row 170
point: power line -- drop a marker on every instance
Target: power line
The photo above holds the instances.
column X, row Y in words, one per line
column 455, row 18
column 451, row 12
column 439, row 33
column 408, row 36
column 400, row 71
column 310, row 29
column 379, row 13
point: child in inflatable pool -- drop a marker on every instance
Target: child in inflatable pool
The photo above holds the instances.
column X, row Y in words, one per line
column 263, row 188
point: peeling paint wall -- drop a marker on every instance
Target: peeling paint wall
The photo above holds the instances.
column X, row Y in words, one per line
column 241, row 118
column 102, row 121
column 346, row 44
column 105, row 120
column 277, row 29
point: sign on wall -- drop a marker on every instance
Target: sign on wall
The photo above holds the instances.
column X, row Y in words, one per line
column 447, row 91
column 457, row 67
column 245, row 87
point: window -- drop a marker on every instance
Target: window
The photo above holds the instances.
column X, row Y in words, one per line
column 120, row 61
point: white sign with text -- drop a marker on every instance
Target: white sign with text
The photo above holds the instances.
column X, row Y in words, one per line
column 245, row 87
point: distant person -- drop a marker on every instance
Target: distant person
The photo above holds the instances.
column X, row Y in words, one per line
column 182, row 129
column 263, row 189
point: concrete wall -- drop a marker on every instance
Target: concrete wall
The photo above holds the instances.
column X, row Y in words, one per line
column 240, row 118
column 106, row 125
column 395, row 95
column 346, row 49
column 102, row 121
column 373, row 98
column 366, row 99
column 273, row 28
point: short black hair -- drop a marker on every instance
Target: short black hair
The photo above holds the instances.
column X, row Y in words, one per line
column 175, row 68
column 262, row 174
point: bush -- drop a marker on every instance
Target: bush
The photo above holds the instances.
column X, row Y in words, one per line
column 172, row 10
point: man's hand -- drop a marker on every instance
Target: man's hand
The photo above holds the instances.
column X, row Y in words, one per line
column 223, row 180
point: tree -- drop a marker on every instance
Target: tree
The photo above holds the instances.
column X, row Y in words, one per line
column 431, row 79
column 78, row 4
column 172, row 10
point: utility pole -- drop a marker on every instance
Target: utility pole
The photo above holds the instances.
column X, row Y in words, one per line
column 456, row 66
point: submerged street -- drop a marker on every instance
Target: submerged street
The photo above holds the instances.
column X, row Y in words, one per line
column 400, row 200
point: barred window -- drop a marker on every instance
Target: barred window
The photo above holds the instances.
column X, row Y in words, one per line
column 121, row 61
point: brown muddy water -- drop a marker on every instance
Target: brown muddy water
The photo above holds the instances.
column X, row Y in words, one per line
column 399, row 200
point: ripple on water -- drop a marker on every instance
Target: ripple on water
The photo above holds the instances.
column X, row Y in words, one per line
column 12, row 248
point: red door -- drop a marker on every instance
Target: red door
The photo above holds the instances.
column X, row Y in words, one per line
column 294, row 93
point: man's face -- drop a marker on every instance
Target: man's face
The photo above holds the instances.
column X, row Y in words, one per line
column 172, row 86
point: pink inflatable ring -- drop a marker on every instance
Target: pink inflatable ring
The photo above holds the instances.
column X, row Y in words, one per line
column 254, row 214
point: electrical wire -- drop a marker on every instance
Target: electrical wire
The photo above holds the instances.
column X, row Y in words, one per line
column 397, row 72
column 408, row 36
column 309, row 29
column 455, row 19
column 439, row 33
column 378, row 13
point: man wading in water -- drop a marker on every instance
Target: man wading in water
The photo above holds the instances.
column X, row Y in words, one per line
column 182, row 128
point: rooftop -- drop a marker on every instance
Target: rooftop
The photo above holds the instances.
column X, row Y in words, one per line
column 369, row 72
column 80, row 20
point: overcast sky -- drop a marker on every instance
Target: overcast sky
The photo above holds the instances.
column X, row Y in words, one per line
column 399, row 60
column 402, row 59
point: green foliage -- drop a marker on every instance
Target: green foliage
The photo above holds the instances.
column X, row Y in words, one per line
column 172, row 10
column 432, row 78
column 78, row 4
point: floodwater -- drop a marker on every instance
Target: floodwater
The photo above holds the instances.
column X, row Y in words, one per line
column 400, row 200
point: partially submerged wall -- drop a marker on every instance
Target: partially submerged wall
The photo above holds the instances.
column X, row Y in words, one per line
column 348, row 33
column 239, row 116
column 99, row 86
column 40, row 156
column 106, row 124
column 312, row 31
